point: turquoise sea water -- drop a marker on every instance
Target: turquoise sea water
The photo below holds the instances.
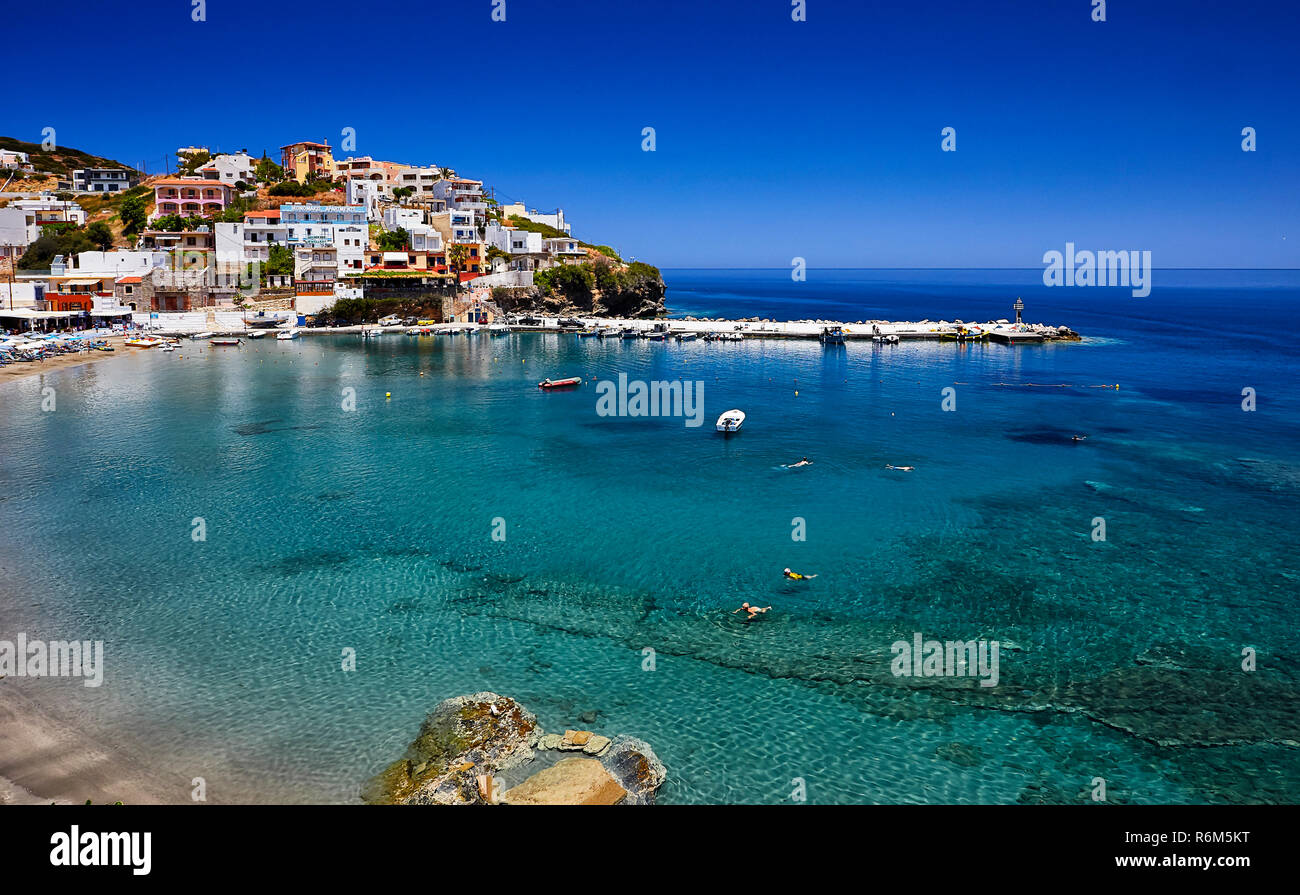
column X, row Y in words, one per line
column 372, row 529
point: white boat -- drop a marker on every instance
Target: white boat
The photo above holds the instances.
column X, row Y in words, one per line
column 731, row 421
column 498, row 329
column 167, row 346
column 286, row 335
column 199, row 337
column 254, row 334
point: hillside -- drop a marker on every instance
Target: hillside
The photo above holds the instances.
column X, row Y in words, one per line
column 61, row 161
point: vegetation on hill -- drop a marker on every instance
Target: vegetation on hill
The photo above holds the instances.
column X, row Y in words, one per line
column 61, row 160
column 600, row 287
column 57, row 239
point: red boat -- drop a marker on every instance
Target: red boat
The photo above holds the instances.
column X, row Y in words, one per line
column 223, row 341
column 560, row 383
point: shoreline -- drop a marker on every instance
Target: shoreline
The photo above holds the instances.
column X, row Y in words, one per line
column 19, row 371
column 47, row 759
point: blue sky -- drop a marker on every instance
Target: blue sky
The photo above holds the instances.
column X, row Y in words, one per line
column 774, row 138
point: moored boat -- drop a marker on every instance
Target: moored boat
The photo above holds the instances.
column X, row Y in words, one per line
column 687, row 337
column 831, row 335
column 287, row 335
column 560, row 383
column 731, row 421
column 143, row 342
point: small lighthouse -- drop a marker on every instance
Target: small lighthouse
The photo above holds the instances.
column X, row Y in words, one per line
column 1019, row 306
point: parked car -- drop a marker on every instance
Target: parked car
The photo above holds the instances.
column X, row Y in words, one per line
column 529, row 321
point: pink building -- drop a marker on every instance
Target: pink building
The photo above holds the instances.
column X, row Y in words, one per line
column 189, row 196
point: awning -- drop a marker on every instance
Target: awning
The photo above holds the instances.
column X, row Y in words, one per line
column 81, row 282
column 30, row 314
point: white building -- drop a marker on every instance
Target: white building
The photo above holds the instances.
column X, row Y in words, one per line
column 351, row 242
column 424, row 238
column 516, row 242
column 554, row 220
column 397, row 217
column 230, row 168
column 366, row 194
column 564, row 248
column 11, row 158
column 462, row 194
column 13, row 233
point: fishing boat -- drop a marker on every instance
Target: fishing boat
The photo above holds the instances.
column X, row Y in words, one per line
column 287, row 335
column 199, row 337
column 610, row 332
column 731, row 421
column 560, row 383
column 891, row 339
column 168, row 347
column 728, row 337
column 223, row 341
column 255, row 333
column 100, row 346
column 656, row 337
column 143, row 342
column 630, row 333
column 687, row 337
column 587, row 333
column 498, row 329
column 831, row 335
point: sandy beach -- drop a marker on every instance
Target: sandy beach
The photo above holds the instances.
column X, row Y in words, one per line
column 44, row 759
column 34, row 368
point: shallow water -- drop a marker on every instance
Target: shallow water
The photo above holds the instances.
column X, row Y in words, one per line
column 372, row 529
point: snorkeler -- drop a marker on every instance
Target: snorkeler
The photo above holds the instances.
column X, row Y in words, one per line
column 753, row 611
column 901, row 468
column 803, row 462
column 796, row 576
column 1078, row 437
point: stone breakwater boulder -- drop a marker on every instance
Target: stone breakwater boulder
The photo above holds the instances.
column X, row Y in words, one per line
column 466, row 742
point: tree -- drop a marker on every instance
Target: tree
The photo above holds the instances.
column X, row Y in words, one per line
column 188, row 163
column 54, row 242
column 456, row 255
column 402, row 192
column 268, row 171
column 133, row 214
column 280, row 262
column 100, row 234
column 393, row 240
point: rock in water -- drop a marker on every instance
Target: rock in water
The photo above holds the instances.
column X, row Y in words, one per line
column 636, row 767
column 460, row 740
column 573, row 781
column 464, row 744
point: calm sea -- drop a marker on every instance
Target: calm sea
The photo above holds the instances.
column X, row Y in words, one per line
column 623, row 544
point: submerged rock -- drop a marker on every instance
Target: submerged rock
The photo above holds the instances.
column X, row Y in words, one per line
column 467, row 741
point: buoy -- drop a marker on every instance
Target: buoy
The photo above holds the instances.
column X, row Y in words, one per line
column 388, row 394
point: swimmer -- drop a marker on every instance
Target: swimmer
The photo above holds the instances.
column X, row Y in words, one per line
column 753, row 611
column 1078, row 437
column 900, row 468
column 796, row 576
column 803, row 462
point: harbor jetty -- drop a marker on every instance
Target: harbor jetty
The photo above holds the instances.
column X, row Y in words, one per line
column 1001, row 331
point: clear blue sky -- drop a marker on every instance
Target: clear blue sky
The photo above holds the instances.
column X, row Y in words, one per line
column 774, row 138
